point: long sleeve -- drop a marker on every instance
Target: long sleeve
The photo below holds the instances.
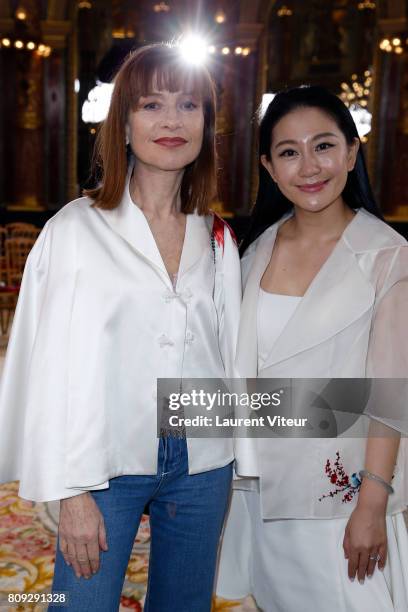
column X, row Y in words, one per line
column 16, row 371
column 387, row 360
column 34, row 388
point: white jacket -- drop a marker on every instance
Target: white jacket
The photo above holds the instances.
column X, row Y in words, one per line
column 97, row 322
column 351, row 323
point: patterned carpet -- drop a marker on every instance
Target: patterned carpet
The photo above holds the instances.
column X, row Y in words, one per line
column 27, row 543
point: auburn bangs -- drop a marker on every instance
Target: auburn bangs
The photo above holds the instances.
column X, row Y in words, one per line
column 164, row 71
column 155, row 68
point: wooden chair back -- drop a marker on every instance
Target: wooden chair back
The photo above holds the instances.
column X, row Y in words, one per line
column 22, row 230
column 17, row 250
column 3, row 262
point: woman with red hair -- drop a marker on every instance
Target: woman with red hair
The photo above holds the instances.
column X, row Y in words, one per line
column 124, row 286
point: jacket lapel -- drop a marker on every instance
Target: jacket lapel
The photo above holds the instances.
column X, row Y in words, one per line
column 129, row 222
column 196, row 242
column 338, row 295
column 247, row 346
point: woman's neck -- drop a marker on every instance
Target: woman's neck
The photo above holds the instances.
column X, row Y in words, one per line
column 156, row 192
column 322, row 226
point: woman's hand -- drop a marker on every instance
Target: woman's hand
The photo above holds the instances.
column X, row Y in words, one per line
column 365, row 537
column 366, row 532
column 81, row 533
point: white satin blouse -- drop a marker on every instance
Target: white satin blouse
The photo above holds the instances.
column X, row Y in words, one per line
column 98, row 320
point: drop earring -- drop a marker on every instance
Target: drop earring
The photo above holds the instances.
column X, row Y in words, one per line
column 127, row 140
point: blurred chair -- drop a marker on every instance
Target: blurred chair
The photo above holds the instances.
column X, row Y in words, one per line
column 8, row 302
column 3, row 263
column 8, row 295
column 15, row 251
column 22, row 230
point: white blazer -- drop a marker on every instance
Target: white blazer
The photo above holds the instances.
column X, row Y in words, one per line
column 97, row 322
column 350, row 323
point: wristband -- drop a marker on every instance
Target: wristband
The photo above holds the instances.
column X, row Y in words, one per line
column 381, row 481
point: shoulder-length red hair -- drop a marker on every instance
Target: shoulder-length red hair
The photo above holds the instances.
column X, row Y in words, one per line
column 161, row 66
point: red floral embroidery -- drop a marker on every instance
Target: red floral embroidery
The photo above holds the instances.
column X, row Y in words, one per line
column 343, row 483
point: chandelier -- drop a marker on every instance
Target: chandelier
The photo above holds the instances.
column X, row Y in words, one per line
column 358, row 91
column 393, row 45
column 161, row 7
column 366, row 5
column 284, row 11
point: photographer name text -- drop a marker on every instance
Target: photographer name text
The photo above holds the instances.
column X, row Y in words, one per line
column 217, row 421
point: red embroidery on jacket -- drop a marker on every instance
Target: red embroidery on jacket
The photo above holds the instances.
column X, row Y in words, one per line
column 343, row 483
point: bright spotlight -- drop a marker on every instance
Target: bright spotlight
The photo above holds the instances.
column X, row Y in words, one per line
column 362, row 118
column 95, row 109
column 266, row 100
column 193, row 49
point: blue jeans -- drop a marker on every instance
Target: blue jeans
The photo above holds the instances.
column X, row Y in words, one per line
column 186, row 518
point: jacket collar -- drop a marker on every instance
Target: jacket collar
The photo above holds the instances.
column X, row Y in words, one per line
column 338, row 295
column 128, row 221
column 368, row 233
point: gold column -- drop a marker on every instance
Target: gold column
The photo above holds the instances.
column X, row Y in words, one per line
column 72, row 106
column 373, row 141
column 60, row 35
column 234, row 103
column 224, row 130
column 253, row 35
column 388, row 142
column 28, row 182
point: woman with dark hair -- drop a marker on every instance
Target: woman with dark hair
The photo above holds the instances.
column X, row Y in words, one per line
column 325, row 297
column 124, row 286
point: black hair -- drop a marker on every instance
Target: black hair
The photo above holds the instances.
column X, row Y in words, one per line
column 271, row 204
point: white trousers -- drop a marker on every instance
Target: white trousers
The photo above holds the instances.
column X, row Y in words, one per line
column 294, row 565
